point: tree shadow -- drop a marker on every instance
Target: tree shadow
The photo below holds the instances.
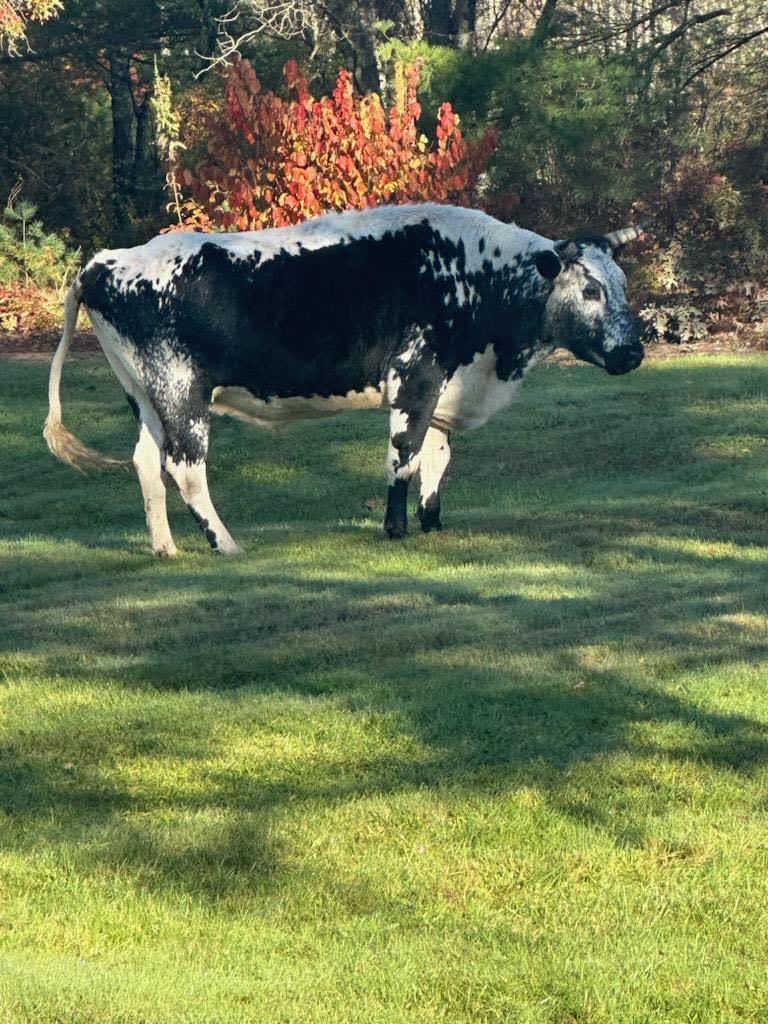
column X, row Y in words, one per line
column 534, row 714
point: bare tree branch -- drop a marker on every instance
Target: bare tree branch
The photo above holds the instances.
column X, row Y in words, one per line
column 631, row 25
column 544, row 23
column 285, row 19
column 724, row 53
column 686, row 26
column 495, row 24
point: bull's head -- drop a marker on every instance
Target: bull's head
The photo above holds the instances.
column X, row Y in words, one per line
column 587, row 310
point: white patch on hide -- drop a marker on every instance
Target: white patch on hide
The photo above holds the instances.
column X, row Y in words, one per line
column 474, row 394
column 398, row 424
column 602, row 266
column 199, row 430
column 115, row 345
column 435, row 456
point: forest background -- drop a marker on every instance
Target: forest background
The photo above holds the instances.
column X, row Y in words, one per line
column 120, row 118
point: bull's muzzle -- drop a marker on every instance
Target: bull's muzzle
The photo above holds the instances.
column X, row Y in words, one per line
column 624, row 358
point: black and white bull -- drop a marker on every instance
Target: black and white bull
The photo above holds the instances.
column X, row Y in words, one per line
column 432, row 311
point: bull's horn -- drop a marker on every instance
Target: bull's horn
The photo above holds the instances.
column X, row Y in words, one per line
column 626, row 235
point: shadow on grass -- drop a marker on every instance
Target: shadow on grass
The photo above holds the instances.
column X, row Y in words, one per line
column 498, row 683
column 497, row 691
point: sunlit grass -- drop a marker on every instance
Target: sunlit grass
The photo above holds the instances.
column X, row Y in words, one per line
column 512, row 772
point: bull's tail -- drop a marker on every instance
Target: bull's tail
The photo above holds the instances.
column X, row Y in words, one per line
column 62, row 442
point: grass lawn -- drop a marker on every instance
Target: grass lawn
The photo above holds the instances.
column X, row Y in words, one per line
column 514, row 772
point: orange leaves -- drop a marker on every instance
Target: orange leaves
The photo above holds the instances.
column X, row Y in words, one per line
column 295, row 80
column 28, row 307
column 273, row 161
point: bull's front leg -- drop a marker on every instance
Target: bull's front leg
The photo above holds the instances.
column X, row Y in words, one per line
column 413, row 388
column 435, row 456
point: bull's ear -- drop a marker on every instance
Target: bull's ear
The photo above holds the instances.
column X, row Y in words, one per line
column 548, row 264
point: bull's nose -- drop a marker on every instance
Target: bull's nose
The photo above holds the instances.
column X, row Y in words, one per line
column 623, row 362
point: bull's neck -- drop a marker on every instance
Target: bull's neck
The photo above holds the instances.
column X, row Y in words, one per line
column 514, row 316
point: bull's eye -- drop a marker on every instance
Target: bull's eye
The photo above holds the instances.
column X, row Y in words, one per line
column 592, row 292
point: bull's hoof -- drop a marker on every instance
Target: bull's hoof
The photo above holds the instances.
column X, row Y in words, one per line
column 229, row 550
column 166, row 551
column 396, row 517
column 429, row 519
column 396, row 531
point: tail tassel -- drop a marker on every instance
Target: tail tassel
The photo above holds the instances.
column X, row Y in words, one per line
column 70, row 449
column 62, row 442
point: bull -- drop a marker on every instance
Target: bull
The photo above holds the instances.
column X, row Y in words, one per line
column 432, row 312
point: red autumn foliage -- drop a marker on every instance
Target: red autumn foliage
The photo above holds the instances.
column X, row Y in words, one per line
column 28, row 308
column 275, row 161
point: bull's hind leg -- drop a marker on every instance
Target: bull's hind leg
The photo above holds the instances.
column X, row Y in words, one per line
column 147, row 455
column 147, row 459
column 413, row 388
column 185, row 454
column 192, row 481
column 435, row 456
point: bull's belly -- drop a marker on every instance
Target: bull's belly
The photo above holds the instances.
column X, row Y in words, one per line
column 277, row 412
column 471, row 397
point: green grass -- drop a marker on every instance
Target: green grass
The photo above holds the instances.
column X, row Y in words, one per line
column 515, row 772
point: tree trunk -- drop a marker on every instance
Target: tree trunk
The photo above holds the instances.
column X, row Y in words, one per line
column 141, row 143
column 439, row 26
column 466, row 24
column 543, row 26
column 631, row 41
column 208, row 28
column 360, row 32
column 146, row 177
column 119, row 84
